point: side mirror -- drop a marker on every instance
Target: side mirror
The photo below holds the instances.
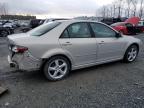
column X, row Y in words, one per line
column 118, row 35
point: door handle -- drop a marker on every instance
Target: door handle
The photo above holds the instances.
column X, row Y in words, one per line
column 67, row 44
column 102, row 42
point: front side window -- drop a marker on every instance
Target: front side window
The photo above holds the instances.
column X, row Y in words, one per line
column 41, row 30
column 102, row 31
column 79, row 30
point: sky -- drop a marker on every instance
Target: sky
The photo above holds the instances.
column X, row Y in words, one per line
column 55, row 8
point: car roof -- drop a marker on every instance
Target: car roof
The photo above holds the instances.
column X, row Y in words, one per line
column 77, row 20
column 68, row 22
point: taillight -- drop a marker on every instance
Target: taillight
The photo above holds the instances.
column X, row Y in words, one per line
column 19, row 49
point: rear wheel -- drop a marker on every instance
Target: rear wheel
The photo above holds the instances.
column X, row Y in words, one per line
column 131, row 54
column 56, row 68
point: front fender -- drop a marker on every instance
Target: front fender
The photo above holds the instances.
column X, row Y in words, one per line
column 136, row 41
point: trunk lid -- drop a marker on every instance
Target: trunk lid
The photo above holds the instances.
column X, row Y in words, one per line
column 20, row 39
column 18, row 36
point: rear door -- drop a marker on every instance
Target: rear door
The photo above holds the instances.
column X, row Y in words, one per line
column 79, row 43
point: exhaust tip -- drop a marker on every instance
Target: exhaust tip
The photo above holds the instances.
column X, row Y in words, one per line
column 12, row 65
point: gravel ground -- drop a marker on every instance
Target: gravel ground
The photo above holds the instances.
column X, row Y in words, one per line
column 112, row 85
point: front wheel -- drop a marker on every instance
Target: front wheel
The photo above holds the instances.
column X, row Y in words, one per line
column 56, row 68
column 131, row 54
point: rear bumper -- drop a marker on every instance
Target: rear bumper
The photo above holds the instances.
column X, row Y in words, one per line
column 24, row 61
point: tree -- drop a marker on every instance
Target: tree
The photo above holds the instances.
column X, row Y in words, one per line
column 113, row 9
column 3, row 9
column 128, row 7
column 104, row 11
column 134, row 2
column 119, row 8
column 141, row 9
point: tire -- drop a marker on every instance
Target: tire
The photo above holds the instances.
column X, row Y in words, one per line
column 56, row 68
column 131, row 54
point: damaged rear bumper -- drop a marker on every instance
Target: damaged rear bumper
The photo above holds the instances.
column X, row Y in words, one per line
column 24, row 61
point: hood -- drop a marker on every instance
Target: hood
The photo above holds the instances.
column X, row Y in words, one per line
column 133, row 20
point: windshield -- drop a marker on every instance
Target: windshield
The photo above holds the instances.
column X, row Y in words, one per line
column 41, row 30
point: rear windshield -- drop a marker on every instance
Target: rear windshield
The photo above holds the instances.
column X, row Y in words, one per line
column 41, row 30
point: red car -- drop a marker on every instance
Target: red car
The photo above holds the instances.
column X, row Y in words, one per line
column 127, row 27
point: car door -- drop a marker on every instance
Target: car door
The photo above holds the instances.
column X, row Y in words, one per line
column 79, row 43
column 110, row 47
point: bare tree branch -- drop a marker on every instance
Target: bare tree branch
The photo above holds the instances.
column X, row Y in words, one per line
column 141, row 9
column 3, row 9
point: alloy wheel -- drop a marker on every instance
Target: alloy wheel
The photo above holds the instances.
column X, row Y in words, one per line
column 57, row 68
column 132, row 54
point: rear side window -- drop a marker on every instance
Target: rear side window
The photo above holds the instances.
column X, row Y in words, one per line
column 77, row 30
column 41, row 30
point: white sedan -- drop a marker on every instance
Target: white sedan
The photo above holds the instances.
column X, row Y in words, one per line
column 62, row 46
